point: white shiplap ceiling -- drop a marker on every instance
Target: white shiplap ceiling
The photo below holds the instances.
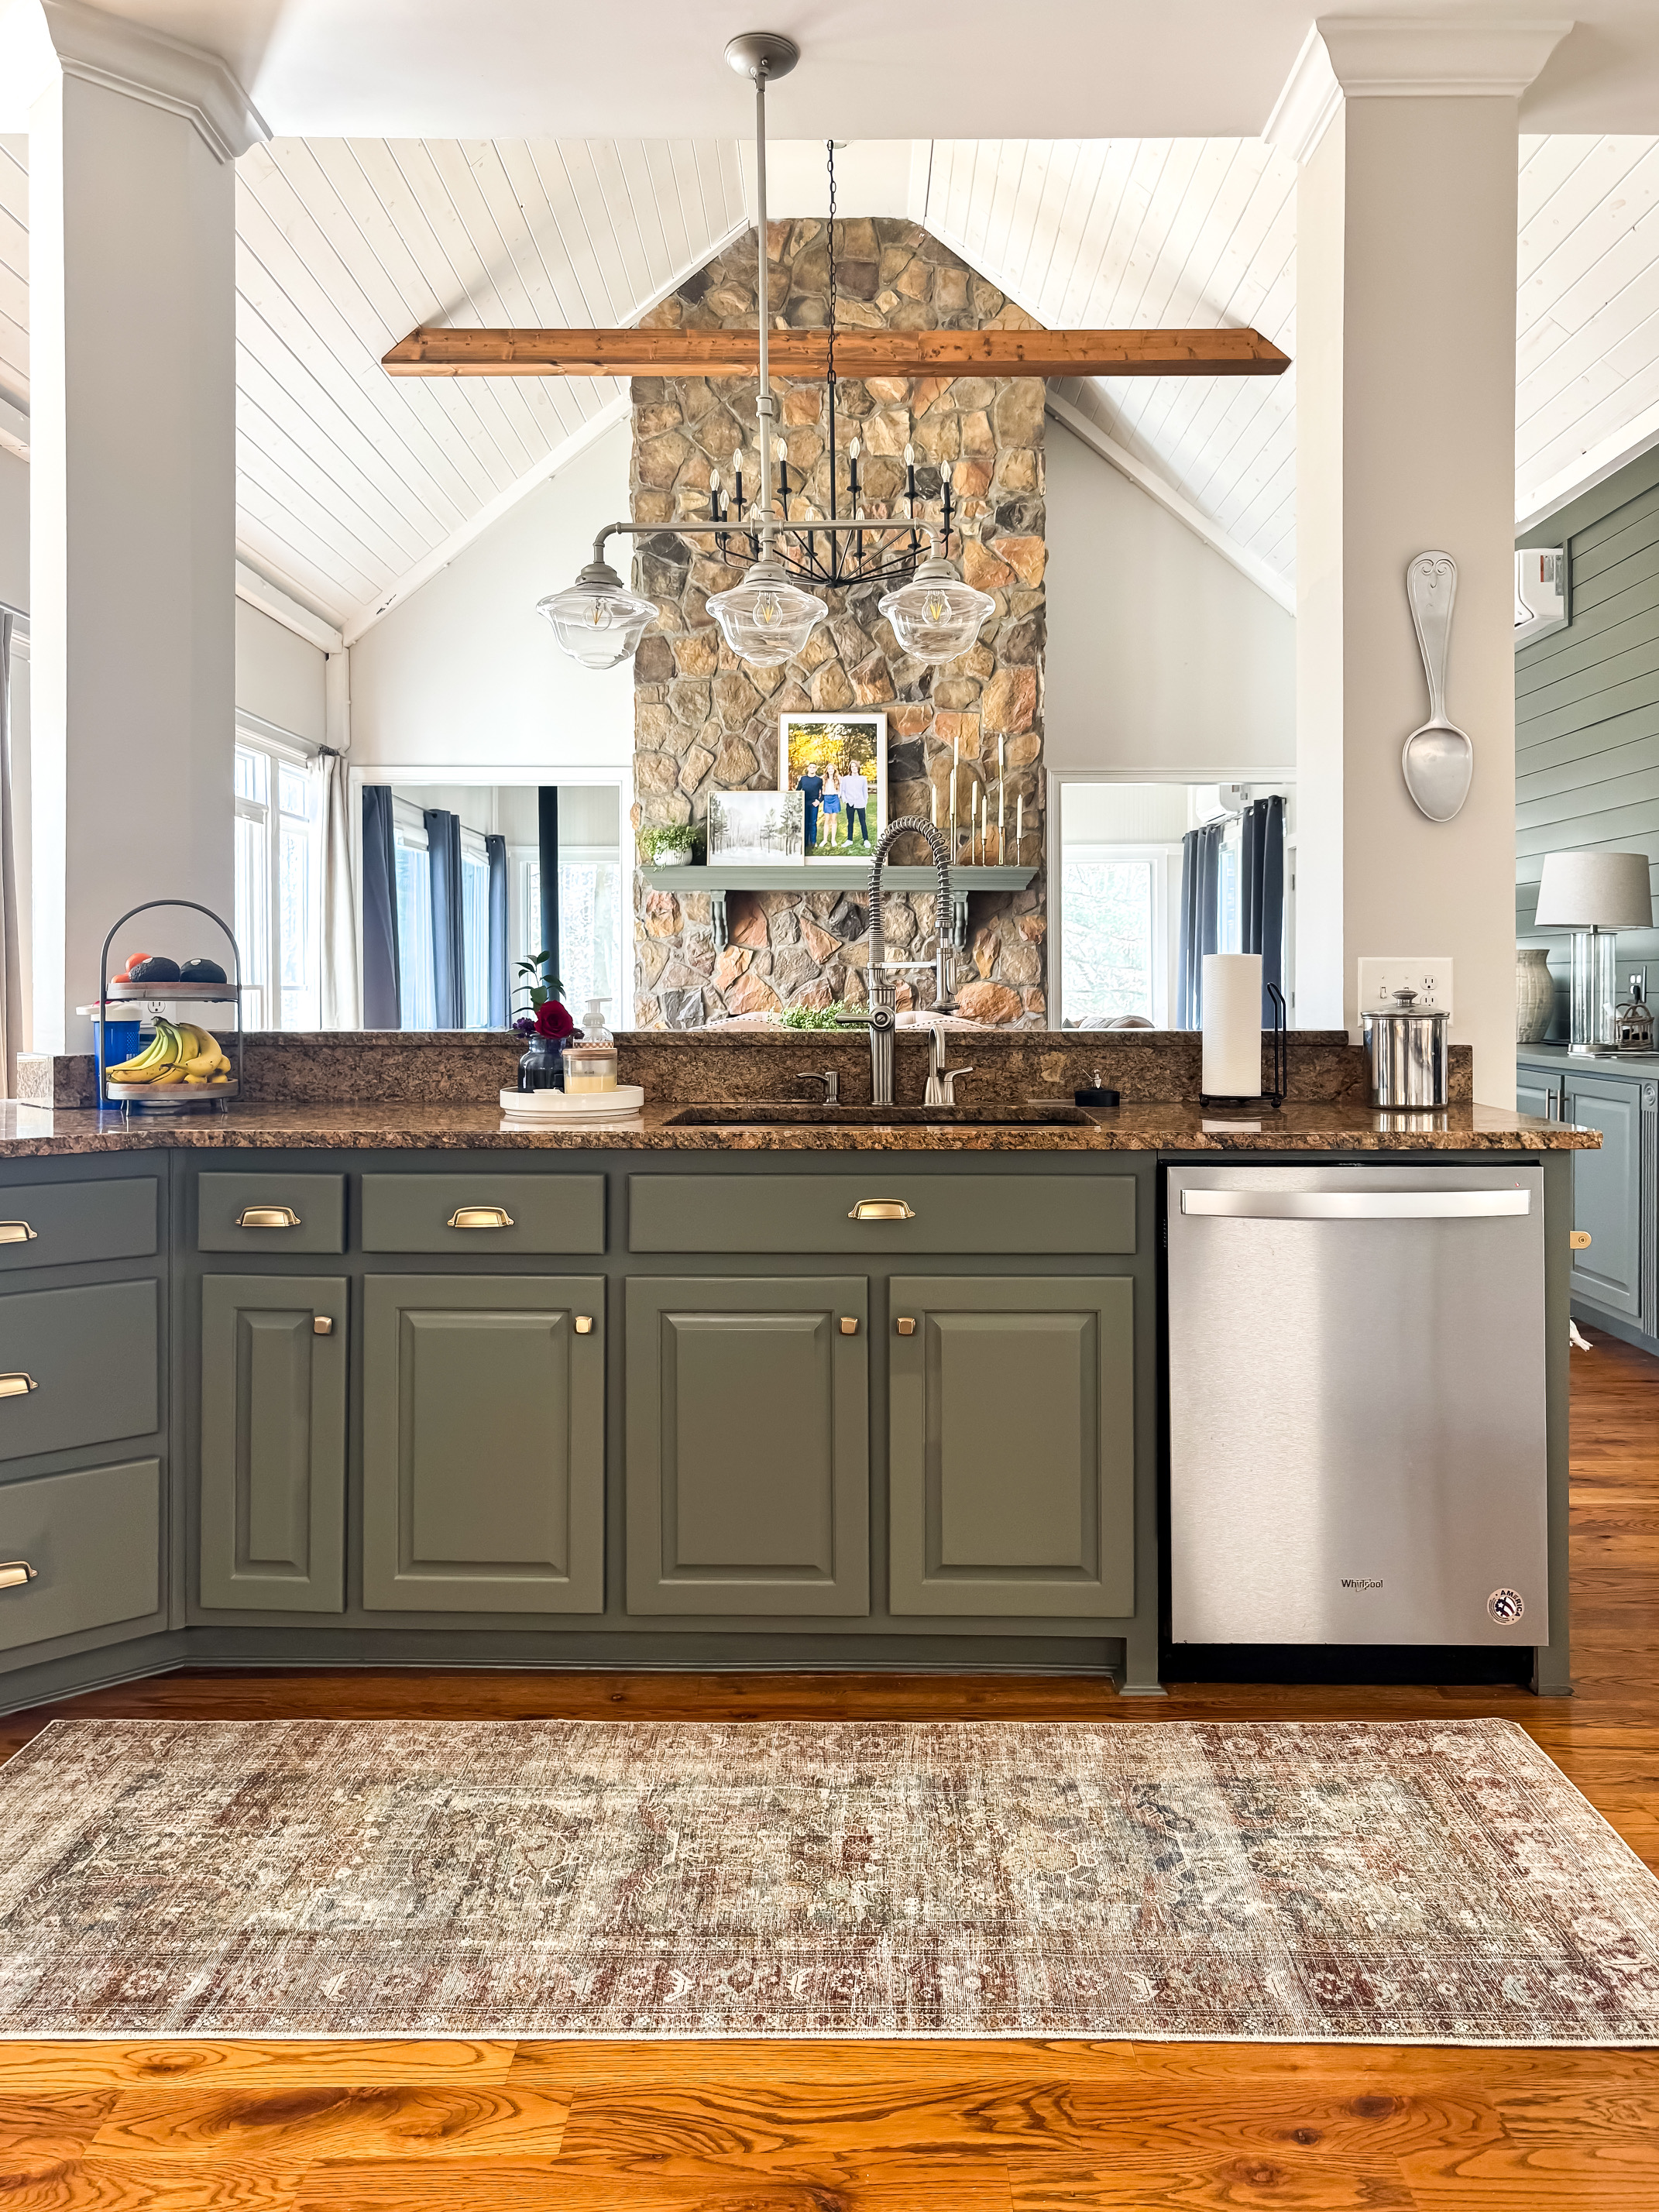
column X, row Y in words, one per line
column 354, row 487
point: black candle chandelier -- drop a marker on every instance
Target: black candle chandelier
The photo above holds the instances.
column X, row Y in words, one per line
column 887, row 547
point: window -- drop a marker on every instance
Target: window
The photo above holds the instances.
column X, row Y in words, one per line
column 417, row 1002
column 475, row 928
column 1115, row 955
column 590, row 960
column 278, row 888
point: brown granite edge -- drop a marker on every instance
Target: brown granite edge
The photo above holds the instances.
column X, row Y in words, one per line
column 746, row 1063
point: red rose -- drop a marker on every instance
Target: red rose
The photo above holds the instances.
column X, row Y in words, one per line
column 554, row 1019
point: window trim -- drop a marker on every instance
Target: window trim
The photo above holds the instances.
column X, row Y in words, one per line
column 277, row 754
column 1160, row 956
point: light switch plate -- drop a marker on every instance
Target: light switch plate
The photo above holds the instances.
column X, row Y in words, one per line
column 1379, row 979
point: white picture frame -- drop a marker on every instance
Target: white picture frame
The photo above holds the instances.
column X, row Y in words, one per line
column 763, row 827
column 836, row 750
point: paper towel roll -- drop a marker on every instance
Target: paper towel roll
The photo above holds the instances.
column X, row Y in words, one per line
column 1232, row 1025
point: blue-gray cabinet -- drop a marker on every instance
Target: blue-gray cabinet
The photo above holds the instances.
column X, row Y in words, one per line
column 1615, row 1189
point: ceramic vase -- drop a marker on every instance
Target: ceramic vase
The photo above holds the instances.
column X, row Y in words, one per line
column 1534, row 994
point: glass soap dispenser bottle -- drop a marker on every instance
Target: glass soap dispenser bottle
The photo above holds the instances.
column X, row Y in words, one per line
column 590, row 1064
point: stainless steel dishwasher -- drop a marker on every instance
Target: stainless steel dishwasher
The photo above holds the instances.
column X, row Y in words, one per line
column 1356, row 1427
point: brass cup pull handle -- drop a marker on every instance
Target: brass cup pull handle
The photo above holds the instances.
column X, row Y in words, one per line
column 14, row 1573
column 480, row 1217
column 906, row 1325
column 16, row 1232
column 882, row 1209
column 267, row 1216
column 17, row 1386
column 1579, row 1240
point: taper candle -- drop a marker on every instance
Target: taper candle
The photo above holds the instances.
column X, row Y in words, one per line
column 1002, row 809
column 1019, row 825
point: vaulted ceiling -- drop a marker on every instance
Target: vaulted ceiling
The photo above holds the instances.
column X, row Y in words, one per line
column 354, row 487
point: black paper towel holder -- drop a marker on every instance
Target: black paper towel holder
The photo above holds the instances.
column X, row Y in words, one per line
column 1275, row 1098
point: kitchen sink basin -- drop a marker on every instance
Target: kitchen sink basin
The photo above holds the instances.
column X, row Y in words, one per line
column 789, row 1114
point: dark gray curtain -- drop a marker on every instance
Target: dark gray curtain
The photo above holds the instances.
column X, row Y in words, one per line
column 501, row 981
column 381, row 1008
column 1201, row 909
column 443, row 852
column 1261, row 894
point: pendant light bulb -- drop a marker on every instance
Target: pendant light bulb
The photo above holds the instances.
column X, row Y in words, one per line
column 598, row 621
column 936, row 616
column 766, row 619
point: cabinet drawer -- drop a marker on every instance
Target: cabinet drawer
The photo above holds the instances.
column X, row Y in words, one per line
column 250, row 1214
column 94, row 1540
column 48, row 1224
column 1082, row 1214
column 510, row 1214
column 90, row 1356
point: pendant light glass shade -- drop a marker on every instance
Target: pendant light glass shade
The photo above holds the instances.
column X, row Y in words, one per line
column 766, row 619
column 936, row 617
column 598, row 621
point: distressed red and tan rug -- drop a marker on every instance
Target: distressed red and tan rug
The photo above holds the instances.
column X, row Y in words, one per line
column 1437, row 1882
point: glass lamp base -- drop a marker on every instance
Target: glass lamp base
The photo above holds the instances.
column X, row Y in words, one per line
column 1594, row 991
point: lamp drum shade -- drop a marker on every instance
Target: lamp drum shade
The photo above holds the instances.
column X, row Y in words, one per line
column 1595, row 890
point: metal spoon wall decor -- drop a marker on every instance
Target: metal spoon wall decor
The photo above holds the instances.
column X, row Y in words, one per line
column 1438, row 759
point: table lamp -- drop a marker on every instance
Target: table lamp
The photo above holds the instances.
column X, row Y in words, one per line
column 1594, row 895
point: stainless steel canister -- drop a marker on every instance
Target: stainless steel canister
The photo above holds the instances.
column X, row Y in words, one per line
column 1407, row 1045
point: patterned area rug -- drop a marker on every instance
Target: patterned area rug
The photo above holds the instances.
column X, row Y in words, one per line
column 1437, row 1882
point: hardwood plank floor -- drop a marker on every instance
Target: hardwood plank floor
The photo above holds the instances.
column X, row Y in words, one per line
column 489, row 2126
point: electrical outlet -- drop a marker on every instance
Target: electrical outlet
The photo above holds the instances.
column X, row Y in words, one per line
column 1379, row 979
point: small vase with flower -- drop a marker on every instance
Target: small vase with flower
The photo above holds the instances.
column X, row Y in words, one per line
column 545, row 1028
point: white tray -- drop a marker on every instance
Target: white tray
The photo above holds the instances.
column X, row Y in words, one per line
column 581, row 1106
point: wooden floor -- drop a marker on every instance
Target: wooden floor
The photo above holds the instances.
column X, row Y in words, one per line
column 933, row 2127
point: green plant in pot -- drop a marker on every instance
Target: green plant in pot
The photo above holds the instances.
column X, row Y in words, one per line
column 669, row 844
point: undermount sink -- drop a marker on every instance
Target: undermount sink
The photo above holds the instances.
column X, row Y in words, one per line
column 788, row 1115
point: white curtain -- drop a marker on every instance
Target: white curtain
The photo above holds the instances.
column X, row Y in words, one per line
column 343, row 1005
column 11, row 969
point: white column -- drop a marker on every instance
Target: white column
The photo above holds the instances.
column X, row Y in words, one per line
column 1406, row 135
column 131, row 137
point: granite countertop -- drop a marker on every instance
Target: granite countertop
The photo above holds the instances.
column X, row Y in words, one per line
column 29, row 1132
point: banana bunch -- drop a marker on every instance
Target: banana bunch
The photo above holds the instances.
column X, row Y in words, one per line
column 177, row 1052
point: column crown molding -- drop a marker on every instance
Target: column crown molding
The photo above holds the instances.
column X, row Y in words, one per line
column 165, row 73
column 1405, row 58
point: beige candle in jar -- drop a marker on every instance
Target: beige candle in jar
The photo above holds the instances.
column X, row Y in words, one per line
column 589, row 1068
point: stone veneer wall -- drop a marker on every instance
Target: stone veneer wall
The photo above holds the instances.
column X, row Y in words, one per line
column 704, row 720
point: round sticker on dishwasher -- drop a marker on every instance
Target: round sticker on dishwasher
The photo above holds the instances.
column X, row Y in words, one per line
column 1506, row 1605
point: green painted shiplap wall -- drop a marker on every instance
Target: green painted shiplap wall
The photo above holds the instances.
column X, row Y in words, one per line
column 1587, row 708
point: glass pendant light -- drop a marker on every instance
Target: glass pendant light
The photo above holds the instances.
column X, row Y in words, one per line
column 766, row 619
column 598, row 621
column 936, row 616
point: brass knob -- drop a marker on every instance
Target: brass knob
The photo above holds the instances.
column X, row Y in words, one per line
column 321, row 1325
column 906, row 1326
column 1579, row 1240
column 849, row 1325
column 267, row 1216
column 15, row 1572
column 584, row 1324
column 480, row 1217
column 17, row 1386
column 882, row 1209
column 15, row 1232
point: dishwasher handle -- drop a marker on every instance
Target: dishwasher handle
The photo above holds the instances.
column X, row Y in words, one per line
column 1357, row 1205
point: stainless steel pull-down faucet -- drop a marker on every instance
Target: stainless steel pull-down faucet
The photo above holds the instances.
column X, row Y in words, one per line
column 880, row 989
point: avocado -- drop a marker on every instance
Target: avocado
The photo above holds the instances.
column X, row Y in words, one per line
column 201, row 971
column 158, row 969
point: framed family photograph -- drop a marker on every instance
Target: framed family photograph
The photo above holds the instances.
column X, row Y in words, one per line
column 838, row 764
column 756, row 825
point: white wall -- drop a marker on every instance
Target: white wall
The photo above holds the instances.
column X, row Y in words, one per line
column 13, row 530
column 1161, row 654
column 466, row 670
column 279, row 676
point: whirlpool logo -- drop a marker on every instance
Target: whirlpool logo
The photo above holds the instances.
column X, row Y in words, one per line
column 1356, row 1581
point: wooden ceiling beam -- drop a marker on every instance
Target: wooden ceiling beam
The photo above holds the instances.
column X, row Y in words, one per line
column 805, row 354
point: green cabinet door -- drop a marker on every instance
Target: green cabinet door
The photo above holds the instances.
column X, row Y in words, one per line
column 748, row 1445
column 1011, row 1465
column 273, row 1443
column 483, row 1444
column 1606, row 1192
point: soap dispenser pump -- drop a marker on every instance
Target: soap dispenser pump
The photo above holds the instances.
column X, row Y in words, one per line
column 590, row 1062
column 594, row 1030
